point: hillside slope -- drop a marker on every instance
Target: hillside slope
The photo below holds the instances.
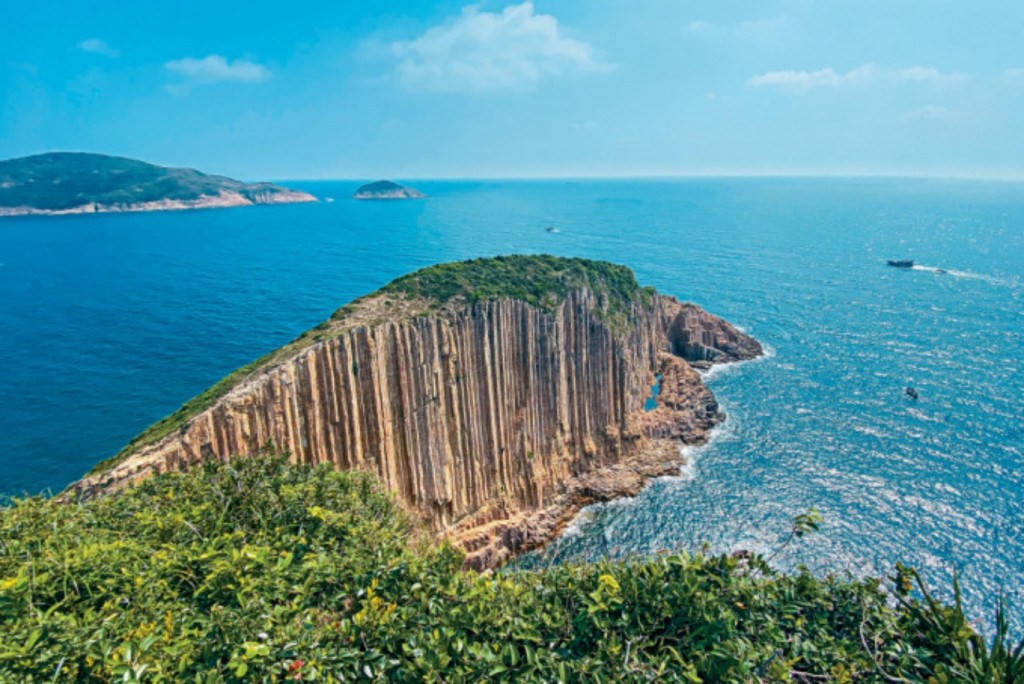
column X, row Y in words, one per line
column 75, row 182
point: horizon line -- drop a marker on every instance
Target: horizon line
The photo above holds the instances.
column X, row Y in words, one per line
column 670, row 177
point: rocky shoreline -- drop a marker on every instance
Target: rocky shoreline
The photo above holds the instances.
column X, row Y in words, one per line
column 219, row 201
column 665, row 429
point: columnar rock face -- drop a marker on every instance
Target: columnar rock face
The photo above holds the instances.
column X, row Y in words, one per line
column 493, row 421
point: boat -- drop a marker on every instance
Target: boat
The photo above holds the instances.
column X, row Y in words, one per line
column 900, row 263
column 552, row 229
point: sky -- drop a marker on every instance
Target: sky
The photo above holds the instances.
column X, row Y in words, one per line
column 560, row 88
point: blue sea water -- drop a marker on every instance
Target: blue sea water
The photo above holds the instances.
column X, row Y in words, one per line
column 109, row 322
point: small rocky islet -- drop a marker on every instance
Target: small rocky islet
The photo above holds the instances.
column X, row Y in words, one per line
column 386, row 190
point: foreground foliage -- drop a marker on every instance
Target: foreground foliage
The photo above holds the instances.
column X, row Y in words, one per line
column 260, row 571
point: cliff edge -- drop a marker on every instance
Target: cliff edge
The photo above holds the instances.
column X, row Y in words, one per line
column 494, row 397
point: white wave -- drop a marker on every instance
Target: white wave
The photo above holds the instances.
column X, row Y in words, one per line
column 575, row 526
column 688, row 454
column 688, row 469
column 716, row 370
column 722, row 368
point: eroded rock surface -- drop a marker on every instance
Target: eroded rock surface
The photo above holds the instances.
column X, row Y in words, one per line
column 493, row 421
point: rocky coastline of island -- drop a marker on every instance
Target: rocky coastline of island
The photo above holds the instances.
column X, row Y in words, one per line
column 67, row 183
column 219, row 201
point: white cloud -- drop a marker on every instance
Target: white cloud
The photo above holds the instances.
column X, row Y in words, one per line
column 485, row 51
column 98, row 47
column 214, row 68
column 802, row 81
column 919, row 74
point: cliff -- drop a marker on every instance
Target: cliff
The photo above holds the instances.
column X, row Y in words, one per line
column 493, row 397
column 386, row 190
column 78, row 183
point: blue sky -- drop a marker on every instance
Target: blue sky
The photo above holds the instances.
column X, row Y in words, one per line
column 337, row 89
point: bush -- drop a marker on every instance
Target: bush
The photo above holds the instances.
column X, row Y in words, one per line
column 541, row 280
column 256, row 570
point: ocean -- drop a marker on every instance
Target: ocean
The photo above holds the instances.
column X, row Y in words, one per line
column 110, row 322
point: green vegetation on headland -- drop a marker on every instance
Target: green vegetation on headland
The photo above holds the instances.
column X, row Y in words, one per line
column 540, row 280
column 258, row 571
column 62, row 181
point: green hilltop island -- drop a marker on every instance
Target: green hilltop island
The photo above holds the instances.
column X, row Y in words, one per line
column 340, row 510
column 83, row 183
column 386, row 190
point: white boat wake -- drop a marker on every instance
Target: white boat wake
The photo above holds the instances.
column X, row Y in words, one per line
column 968, row 275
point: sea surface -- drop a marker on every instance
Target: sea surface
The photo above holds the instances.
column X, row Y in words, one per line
column 110, row 322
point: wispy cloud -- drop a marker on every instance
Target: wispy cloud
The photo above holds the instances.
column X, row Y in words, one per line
column 215, row 68
column 802, row 81
column 98, row 47
column 919, row 74
column 487, row 52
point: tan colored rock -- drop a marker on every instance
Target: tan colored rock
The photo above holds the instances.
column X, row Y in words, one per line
column 493, row 422
column 222, row 200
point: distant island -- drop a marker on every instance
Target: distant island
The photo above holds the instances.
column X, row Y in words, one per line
column 83, row 183
column 386, row 190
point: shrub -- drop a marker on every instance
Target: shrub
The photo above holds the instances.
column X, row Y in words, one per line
column 256, row 570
